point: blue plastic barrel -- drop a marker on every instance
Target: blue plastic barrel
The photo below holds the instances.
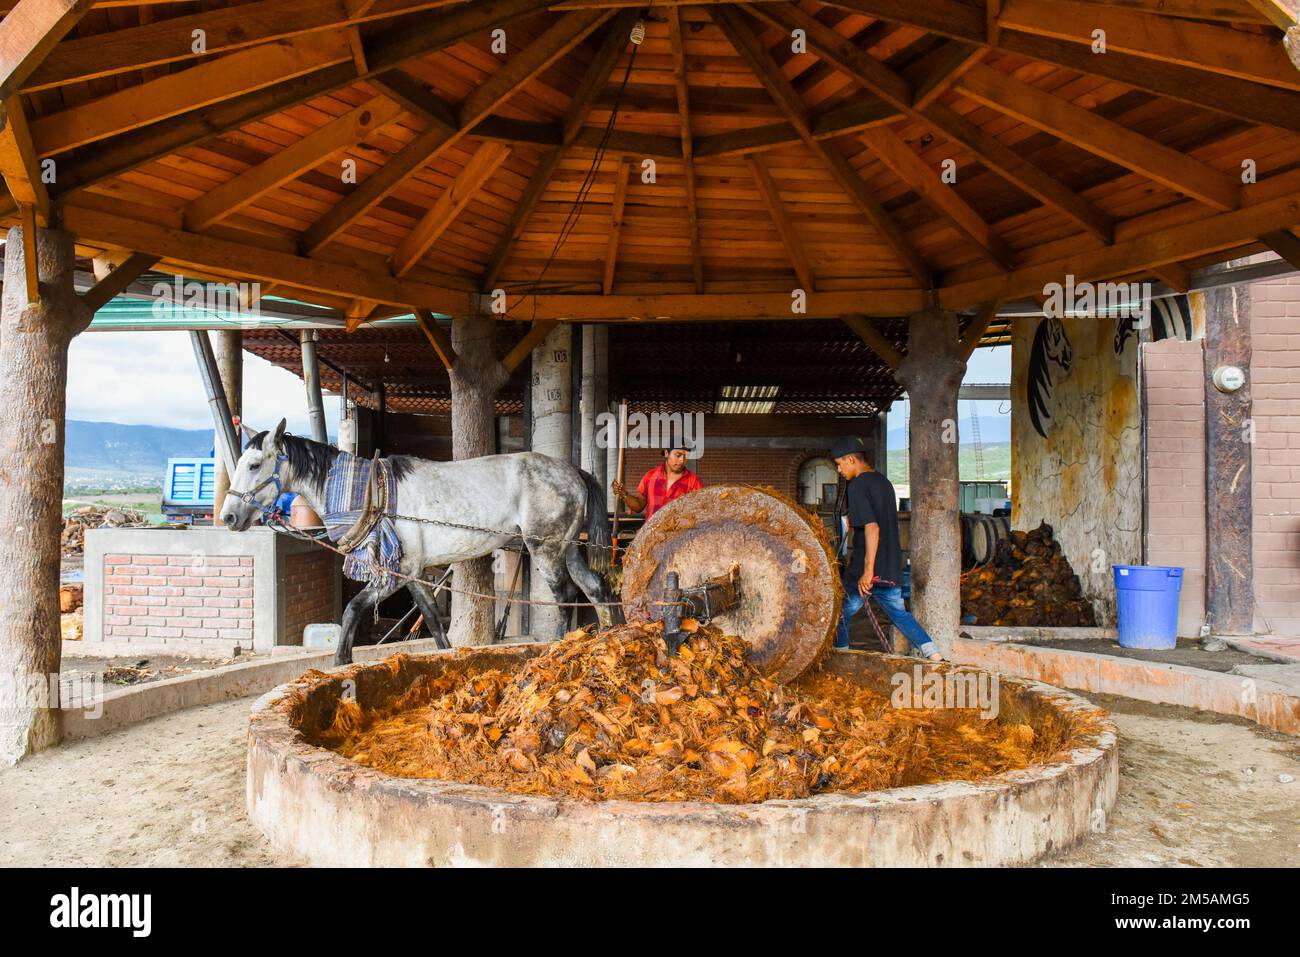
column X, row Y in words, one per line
column 1147, row 605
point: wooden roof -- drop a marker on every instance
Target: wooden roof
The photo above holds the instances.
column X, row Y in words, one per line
column 384, row 155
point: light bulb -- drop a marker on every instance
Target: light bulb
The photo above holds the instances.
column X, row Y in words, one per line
column 638, row 32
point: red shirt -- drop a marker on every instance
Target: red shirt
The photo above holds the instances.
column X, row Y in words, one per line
column 654, row 488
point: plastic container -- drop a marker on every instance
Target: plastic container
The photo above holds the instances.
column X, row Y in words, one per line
column 1147, row 605
column 321, row 636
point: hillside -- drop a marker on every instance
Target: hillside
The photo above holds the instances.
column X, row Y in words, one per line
column 108, row 455
column 997, row 463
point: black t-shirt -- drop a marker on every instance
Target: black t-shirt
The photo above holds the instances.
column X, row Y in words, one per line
column 872, row 500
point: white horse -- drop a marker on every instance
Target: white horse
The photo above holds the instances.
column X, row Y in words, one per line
column 467, row 509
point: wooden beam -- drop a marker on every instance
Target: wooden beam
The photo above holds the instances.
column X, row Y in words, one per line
column 1103, row 137
column 678, row 44
column 387, row 51
column 970, row 340
column 751, row 49
column 475, row 174
column 255, row 262
column 171, row 40
column 873, row 340
column 1175, row 275
column 1200, row 46
column 117, row 281
column 717, row 307
column 1285, row 244
column 616, row 40
column 936, row 73
column 19, row 163
column 615, row 224
column 209, row 82
column 918, row 175
column 784, row 227
column 897, row 92
column 516, row 356
column 1165, row 244
column 438, row 338
column 1283, row 14
column 416, row 98
column 310, row 151
column 28, row 33
column 31, row 266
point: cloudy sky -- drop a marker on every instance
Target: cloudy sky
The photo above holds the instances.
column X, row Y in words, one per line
column 149, row 378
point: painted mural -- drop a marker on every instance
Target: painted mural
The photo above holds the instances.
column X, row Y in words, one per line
column 1076, row 435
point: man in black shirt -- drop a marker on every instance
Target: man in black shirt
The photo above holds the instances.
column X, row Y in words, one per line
column 875, row 569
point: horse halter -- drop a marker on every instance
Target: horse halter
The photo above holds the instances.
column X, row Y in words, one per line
column 273, row 479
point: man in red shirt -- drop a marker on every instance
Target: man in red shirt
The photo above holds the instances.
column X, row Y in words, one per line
column 669, row 480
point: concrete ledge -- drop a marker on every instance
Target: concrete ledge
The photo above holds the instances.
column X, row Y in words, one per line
column 1032, row 633
column 207, row 648
column 126, row 706
column 334, row 812
column 1257, row 700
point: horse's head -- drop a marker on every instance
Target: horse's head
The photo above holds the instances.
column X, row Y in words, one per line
column 255, row 485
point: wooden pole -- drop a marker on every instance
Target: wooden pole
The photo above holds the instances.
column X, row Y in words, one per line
column 618, row 499
column 33, row 384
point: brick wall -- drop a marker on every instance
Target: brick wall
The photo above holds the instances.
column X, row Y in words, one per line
column 778, row 468
column 307, row 592
column 1175, row 395
column 156, row 598
column 1275, row 391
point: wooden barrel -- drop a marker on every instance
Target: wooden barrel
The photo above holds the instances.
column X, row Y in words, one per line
column 985, row 531
column 789, row 582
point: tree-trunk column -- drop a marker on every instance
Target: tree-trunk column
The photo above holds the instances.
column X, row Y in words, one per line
column 228, row 346
column 33, row 385
column 931, row 373
column 552, row 388
column 475, row 379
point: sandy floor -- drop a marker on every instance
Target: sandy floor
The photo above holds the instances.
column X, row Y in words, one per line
column 1195, row 790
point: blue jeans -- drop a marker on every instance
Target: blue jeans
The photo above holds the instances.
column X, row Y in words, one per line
column 890, row 600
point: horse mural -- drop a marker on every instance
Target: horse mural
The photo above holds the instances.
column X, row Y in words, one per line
column 1051, row 347
column 416, row 515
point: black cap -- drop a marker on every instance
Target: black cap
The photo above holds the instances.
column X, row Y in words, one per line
column 847, row 446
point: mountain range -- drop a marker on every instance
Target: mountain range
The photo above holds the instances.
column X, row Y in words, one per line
column 994, row 430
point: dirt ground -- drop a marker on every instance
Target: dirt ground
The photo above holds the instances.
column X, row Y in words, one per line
column 1196, row 790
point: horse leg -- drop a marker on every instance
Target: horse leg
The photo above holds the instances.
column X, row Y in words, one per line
column 427, row 600
column 549, row 563
column 592, row 585
column 364, row 603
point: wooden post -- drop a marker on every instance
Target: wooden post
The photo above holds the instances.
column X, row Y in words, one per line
column 552, row 405
column 1229, row 515
column 228, row 345
column 476, row 376
column 931, row 373
column 33, row 383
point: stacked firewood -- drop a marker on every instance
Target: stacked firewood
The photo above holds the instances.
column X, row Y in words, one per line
column 95, row 516
column 1028, row 582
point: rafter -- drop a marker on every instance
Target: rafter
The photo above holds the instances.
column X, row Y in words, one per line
column 1285, row 244
column 310, row 151
column 209, row 82
column 1201, row 46
column 524, row 348
column 874, row 340
column 486, row 161
column 28, row 33
column 1103, row 137
column 751, row 49
column 18, row 161
column 118, row 279
column 970, row 339
column 936, row 73
column 897, row 92
column 615, row 224
column 537, row 184
column 437, row 336
column 784, row 227
column 918, row 175
column 688, row 158
column 556, row 41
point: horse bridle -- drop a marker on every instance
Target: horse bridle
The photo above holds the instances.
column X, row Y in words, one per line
column 248, row 498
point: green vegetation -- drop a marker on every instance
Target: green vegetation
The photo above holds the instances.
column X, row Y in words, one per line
column 997, row 464
column 147, row 501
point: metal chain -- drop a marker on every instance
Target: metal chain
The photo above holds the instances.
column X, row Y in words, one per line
column 487, row 531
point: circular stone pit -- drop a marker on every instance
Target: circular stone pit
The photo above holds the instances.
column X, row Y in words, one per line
column 334, row 812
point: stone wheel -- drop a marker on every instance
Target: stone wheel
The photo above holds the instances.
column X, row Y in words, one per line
column 789, row 581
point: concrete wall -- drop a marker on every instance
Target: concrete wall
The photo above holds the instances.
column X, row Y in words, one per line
column 1275, row 389
column 1175, row 400
column 1084, row 477
column 206, row 589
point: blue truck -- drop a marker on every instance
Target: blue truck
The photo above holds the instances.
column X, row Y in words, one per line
column 189, row 489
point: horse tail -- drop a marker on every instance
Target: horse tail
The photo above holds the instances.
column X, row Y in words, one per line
column 598, row 540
